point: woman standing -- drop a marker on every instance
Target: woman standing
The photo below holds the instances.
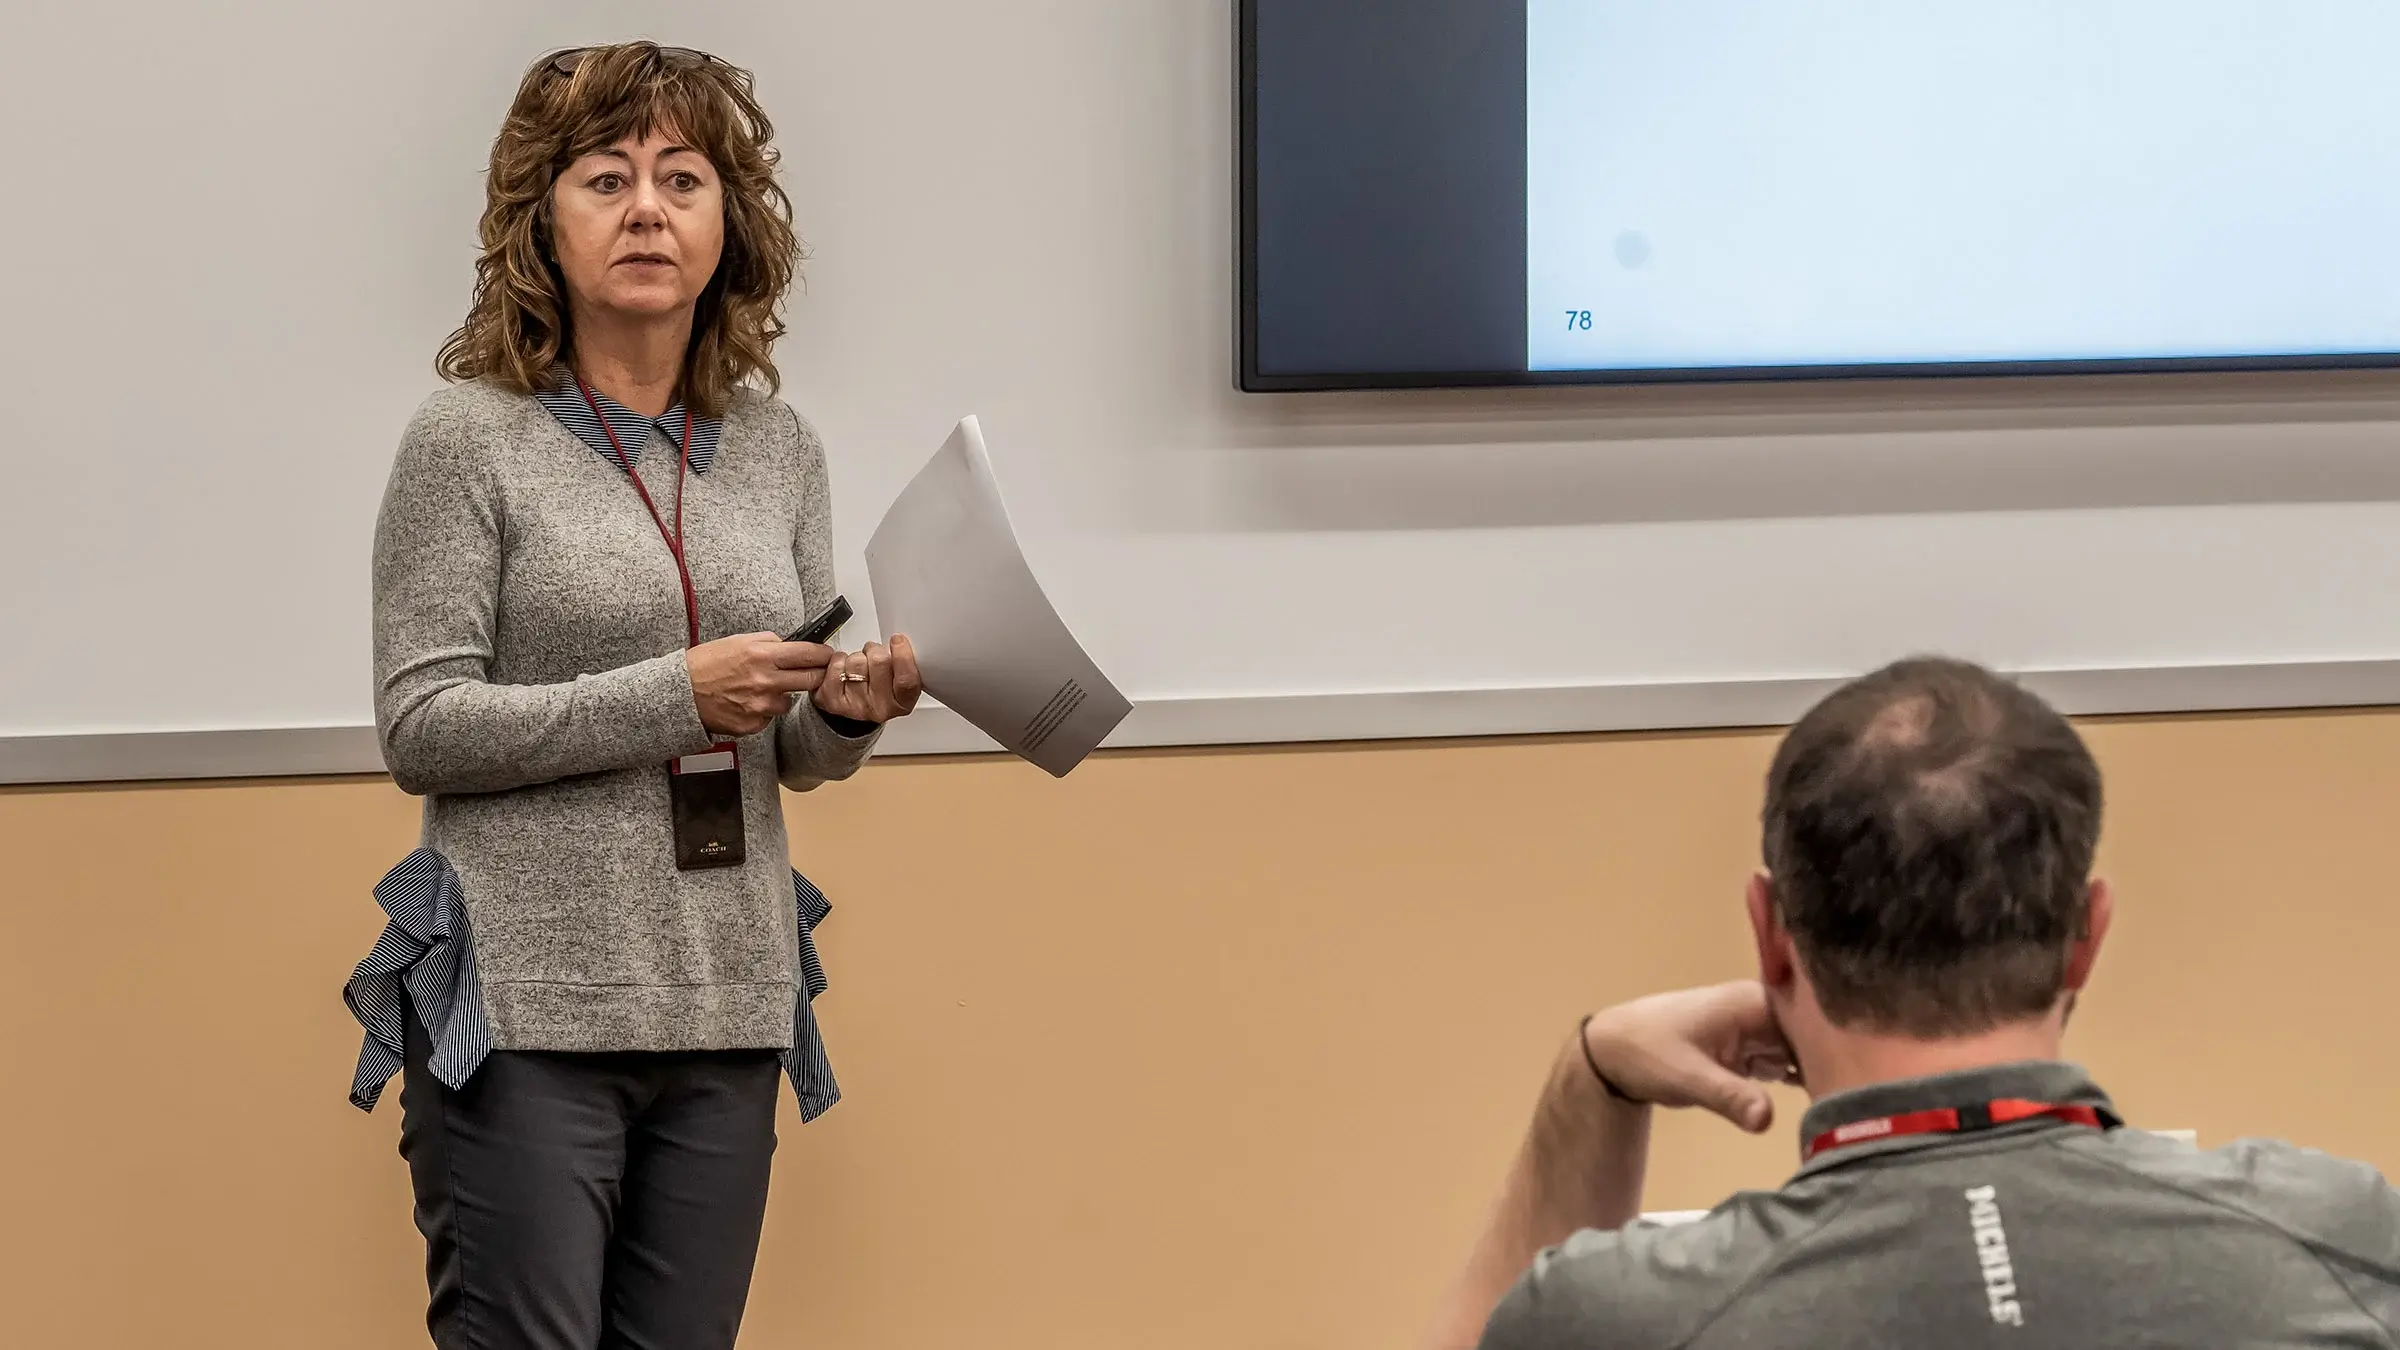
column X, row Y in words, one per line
column 600, row 955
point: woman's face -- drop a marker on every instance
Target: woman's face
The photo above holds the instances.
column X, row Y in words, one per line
column 638, row 227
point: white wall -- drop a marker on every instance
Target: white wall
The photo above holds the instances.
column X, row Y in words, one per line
column 238, row 232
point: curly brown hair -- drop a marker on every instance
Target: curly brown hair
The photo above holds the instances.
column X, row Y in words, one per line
column 575, row 102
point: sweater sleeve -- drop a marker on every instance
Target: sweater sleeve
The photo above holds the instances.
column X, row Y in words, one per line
column 440, row 543
column 808, row 748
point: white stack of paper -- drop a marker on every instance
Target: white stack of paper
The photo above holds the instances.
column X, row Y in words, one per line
column 948, row 572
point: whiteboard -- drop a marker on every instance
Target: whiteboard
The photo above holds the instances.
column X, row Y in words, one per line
column 255, row 223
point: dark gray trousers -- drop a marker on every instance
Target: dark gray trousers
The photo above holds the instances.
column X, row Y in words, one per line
column 590, row 1202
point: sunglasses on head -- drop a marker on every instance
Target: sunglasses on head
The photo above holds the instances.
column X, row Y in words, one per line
column 679, row 58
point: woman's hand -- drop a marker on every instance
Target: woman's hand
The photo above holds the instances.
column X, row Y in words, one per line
column 743, row 683
column 875, row 685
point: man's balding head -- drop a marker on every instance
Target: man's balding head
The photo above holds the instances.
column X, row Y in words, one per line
column 1929, row 830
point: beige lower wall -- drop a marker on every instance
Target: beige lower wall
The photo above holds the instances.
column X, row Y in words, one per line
column 1188, row 1050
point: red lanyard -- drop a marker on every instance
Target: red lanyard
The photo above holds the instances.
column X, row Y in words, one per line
column 1952, row 1120
column 691, row 601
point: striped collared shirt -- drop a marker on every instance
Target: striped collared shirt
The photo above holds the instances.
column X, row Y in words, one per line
column 423, row 966
column 565, row 401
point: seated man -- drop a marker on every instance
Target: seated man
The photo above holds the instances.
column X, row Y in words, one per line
column 1926, row 920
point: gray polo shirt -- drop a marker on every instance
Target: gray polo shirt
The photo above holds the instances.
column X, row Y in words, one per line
column 2040, row 1233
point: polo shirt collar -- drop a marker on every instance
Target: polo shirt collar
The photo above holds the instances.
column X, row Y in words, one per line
column 2046, row 1081
column 565, row 402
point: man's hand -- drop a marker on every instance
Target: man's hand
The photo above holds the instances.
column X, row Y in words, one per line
column 1710, row 1047
column 1582, row 1162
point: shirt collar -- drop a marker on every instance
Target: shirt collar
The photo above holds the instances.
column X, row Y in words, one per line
column 566, row 403
column 2033, row 1080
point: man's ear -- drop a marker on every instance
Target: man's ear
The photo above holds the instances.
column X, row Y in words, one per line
column 2100, row 906
column 1777, row 967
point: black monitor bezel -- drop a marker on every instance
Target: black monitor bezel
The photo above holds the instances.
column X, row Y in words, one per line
column 1249, row 378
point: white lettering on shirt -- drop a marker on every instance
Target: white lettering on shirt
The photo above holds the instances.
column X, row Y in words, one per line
column 1991, row 1252
column 1863, row 1129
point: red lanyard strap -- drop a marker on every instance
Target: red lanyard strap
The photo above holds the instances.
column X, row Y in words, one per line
column 1953, row 1120
column 683, row 573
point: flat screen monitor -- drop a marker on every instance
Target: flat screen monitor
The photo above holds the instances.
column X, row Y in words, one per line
column 1479, row 192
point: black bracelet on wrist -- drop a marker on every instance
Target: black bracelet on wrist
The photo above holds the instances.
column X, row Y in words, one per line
column 1583, row 1037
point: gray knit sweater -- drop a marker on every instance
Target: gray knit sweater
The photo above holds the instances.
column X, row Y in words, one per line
column 530, row 683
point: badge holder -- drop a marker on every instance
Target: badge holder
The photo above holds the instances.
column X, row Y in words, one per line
column 706, row 793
